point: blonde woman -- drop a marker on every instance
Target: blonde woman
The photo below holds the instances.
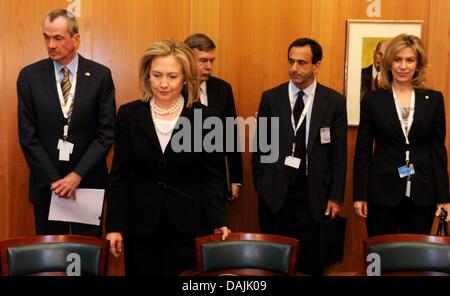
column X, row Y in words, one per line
column 159, row 200
column 400, row 171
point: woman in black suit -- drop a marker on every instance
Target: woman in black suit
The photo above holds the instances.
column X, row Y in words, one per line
column 163, row 191
column 400, row 170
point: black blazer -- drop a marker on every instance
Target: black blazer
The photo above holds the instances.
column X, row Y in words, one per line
column 144, row 180
column 375, row 172
column 41, row 124
column 221, row 101
column 326, row 162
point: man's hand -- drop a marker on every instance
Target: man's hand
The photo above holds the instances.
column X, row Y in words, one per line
column 66, row 186
column 333, row 208
column 235, row 191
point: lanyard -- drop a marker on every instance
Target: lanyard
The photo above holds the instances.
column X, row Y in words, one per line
column 405, row 129
column 302, row 116
column 66, row 107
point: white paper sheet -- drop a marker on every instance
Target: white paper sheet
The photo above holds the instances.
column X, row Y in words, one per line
column 86, row 208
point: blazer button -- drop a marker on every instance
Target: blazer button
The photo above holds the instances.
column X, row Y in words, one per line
column 163, row 162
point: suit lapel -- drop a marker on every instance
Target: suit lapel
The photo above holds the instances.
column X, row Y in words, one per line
column 49, row 80
column 186, row 113
column 216, row 99
column 285, row 109
column 320, row 105
column 145, row 122
column 211, row 93
column 420, row 108
column 83, row 78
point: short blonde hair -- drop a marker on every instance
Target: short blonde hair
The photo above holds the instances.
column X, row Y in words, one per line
column 398, row 43
column 183, row 54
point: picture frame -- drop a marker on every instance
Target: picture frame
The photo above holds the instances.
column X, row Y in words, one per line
column 363, row 37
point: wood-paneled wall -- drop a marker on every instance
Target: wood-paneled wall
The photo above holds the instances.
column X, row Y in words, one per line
column 252, row 38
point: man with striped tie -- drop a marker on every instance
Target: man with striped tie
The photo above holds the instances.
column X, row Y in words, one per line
column 66, row 113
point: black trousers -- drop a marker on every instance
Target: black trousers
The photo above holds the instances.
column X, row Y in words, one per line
column 45, row 227
column 294, row 219
column 166, row 252
column 402, row 218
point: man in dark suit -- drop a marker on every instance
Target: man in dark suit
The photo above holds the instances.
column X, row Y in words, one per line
column 66, row 113
column 218, row 95
column 303, row 189
column 370, row 75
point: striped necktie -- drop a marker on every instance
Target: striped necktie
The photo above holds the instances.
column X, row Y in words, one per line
column 65, row 88
column 65, row 84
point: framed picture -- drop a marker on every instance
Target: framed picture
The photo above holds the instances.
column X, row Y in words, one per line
column 366, row 41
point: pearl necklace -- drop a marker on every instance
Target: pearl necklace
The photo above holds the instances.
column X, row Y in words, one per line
column 178, row 105
column 158, row 130
column 164, row 133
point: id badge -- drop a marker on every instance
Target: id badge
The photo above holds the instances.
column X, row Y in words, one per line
column 65, row 149
column 404, row 171
column 325, row 135
column 292, row 161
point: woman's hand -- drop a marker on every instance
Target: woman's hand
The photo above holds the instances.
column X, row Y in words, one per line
column 361, row 208
column 333, row 208
column 115, row 243
column 222, row 230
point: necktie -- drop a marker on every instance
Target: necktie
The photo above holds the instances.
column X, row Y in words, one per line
column 300, row 150
column 65, row 84
column 298, row 107
column 65, row 88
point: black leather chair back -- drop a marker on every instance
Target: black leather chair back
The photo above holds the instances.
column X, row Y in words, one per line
column 52, row 257
column 246, row 254
column 413, row 256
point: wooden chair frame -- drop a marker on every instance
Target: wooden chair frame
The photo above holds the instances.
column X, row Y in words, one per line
column 43, row 239
column 292, row 242
column 396, row 238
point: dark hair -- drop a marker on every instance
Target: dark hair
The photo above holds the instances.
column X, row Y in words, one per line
column 72, row 25
column 316, row 49
column 200, row 41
